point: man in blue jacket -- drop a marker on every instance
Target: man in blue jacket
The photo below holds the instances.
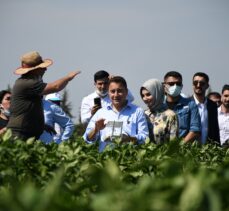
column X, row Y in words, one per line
column 186, row 109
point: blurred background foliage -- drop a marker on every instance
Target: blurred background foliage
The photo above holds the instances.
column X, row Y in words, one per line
column 74, row 176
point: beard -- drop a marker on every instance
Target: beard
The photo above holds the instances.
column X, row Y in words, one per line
column 199, row 92
column 226, row 105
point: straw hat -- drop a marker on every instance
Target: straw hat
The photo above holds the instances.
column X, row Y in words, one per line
column 31, row 61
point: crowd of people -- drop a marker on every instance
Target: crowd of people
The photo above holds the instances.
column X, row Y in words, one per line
column 33, row 109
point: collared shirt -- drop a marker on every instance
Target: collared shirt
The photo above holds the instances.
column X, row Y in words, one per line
column 88, row 103
column 223, row 119
column 132, row 117
column 188, row 116
column 54, row 114
column 202, row 107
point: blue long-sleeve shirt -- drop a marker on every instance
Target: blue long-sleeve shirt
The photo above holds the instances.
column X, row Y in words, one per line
column 133, row 120
column 54, row 114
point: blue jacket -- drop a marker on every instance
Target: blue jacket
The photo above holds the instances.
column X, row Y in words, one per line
column 188, row 116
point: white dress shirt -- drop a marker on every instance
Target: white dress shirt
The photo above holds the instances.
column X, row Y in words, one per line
column 202, row 107
column 223, row 119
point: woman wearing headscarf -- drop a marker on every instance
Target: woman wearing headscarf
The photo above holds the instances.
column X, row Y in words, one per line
column 163, row 123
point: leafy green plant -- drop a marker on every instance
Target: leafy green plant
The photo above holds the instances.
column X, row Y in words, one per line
column 74, row 176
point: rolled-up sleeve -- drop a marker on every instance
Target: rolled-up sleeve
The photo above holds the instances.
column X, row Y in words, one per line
column 90, row 127
column 195, row 123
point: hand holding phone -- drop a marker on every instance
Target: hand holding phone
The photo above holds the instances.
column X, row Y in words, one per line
column 97, row 105
column 97, row 101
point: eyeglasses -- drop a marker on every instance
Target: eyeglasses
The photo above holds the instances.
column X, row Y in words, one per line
column 173, row 83
column 195, row 83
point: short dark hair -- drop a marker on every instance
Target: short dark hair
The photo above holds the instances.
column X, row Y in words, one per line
column 216, row 94
column 201, row 74
column 225, row 87
column 118, row 79
column 3, row 93
column 100, row 75
column 174, row 74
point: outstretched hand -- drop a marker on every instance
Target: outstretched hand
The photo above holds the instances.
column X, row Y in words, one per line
column 72, row 75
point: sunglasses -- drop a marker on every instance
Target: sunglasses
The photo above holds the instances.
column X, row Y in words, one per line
column 195, row 83
column 173, row 83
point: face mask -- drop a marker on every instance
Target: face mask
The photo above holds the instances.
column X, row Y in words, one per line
column 101, row 94
column 5, row 112
column 174, row 90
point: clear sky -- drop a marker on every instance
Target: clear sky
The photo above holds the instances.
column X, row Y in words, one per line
column 137, row 39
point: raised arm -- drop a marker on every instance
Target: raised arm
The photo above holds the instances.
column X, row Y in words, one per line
column 59, row 84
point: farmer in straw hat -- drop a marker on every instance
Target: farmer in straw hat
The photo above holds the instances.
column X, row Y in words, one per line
column 27, row 118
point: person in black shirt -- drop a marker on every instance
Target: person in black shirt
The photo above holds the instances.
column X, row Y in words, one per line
column 27, row 118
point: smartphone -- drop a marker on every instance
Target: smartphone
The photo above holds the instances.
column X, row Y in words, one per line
column 97, row 101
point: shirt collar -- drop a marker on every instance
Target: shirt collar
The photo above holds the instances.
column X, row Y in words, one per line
column 221, row 112
column 109, row 106
column 198, row 103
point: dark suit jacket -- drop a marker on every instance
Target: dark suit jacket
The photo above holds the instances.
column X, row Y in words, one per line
column 213, row 125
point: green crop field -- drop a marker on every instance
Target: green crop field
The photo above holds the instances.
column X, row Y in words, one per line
column 74, row 176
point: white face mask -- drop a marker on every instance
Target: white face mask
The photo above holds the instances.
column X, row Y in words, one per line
column 174, row 90
column 5, row 112
column 101, row 94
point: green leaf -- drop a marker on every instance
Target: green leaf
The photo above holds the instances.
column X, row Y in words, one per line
column 7, row 135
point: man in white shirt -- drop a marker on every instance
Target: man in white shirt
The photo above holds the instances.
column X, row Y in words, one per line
column 223, row 115
column 207, row 108
column 99, row 98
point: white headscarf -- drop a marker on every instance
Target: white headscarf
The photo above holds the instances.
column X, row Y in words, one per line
column 156, row 89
